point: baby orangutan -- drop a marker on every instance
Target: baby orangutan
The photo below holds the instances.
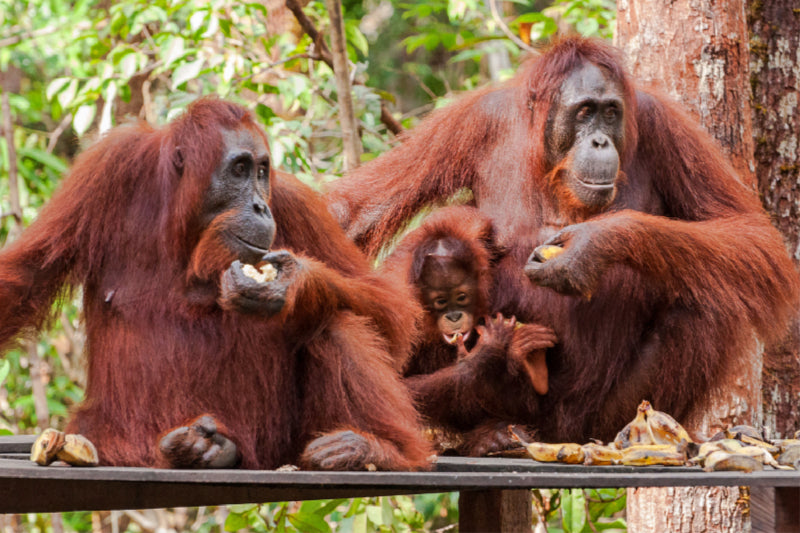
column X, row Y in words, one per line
column 469, row 374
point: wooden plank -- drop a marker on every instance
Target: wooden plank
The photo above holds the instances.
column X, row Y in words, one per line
column 17, row 443
column 26, row 487
column 503, row 511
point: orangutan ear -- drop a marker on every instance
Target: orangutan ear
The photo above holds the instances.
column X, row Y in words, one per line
column 177, row 159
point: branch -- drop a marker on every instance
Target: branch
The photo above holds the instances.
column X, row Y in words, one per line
column 504, row 28
column 13, row 185
column 341, row 71
column 325, row 55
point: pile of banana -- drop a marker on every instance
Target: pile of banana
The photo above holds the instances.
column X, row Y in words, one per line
column 655, row 438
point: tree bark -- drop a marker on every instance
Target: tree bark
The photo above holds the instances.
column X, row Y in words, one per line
column 697, row 52
column 341, row 69
column 775, row 82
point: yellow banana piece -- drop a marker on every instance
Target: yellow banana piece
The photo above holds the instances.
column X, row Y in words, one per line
column 637, row 431
column 46, row 446
column 725, row 461
column 78, row 451
column 597, row 454
column 663, row 428
column 647, row 455
column 547, row 252
column 570, row 453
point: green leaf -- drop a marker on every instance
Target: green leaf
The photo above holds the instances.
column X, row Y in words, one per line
column 309, row 523
column 242, row 508
column 173, row 52
column 55, row 86
column 587, row 26
column 387, row 510
column 66, row 96
column 5, row 368
column 5, row 432
column 186, row 72
column 43, row 158
column 619, row 523
column 235, row 522
column 355, row 37
column 375, row 515
column 83, row 118
column 360, row 523
column 573, row 511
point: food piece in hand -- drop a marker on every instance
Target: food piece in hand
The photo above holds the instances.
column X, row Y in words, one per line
column 266, row 273
column 546, row 252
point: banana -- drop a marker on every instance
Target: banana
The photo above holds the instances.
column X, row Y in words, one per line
column 597, row 454
column 75, row 450
column 663, row 428
column 720, row 460
column 46, row 446
column 78, row 451
column 570, row 453
column 790, row 456
column 546, row 252
column 266, row 273
column 651, row 427
column 636, row 432
column 658, row 454
column 763, row 456
column 751, row 441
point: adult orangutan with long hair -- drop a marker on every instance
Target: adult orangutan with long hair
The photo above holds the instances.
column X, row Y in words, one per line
column 192, row 362
column 670, row 264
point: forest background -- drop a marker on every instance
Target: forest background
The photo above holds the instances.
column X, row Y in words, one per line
column 70, row 71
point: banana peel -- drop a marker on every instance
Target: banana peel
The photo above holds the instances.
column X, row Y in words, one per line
column 651, row 427
column 73, row 449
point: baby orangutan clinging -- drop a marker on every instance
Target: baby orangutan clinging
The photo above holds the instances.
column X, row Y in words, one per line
column 469, row 374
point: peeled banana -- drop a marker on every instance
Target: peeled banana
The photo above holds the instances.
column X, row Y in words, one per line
column 653, row 454
column 721, row 460
column 597, row 454
column 546, row 252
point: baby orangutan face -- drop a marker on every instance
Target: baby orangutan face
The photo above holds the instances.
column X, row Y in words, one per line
column 449, row 292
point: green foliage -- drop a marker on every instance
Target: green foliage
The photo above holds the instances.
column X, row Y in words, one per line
column 581, row 510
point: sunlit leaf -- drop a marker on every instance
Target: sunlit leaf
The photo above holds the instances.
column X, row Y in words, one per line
column 235, row 522
column 573, row 511
column 55, row 86
column 83, row 118
column 5, row 368
column 186, row 72
column 309, row 523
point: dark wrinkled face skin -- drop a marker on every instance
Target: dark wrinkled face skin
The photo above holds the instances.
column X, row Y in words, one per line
column 238, row 196
column 450, row 295
column 586, row 125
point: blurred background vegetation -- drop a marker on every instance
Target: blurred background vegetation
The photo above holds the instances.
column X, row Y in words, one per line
column 69, row 71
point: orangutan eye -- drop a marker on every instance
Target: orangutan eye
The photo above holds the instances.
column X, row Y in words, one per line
column 461, row 298
column 584, row 112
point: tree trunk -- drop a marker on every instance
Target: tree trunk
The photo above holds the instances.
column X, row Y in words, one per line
column 341, row 69
column 697, row 51
column 775, row 82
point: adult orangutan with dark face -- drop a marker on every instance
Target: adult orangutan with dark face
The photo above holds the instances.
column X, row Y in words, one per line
column 193, row 362
column 670, row 265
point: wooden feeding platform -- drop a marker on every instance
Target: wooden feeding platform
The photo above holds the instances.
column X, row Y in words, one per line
column 494, row 491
